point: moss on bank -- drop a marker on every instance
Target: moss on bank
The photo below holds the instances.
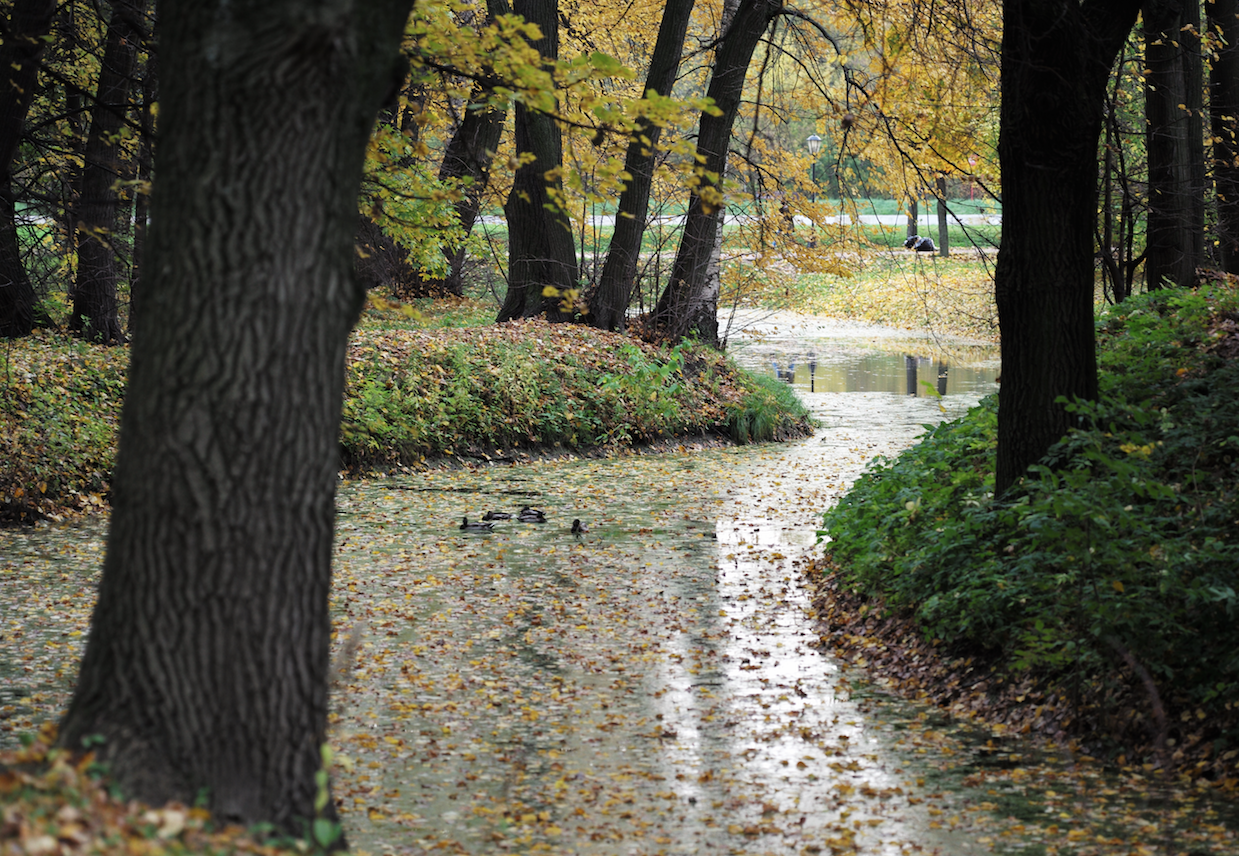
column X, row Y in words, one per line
column 413, row 396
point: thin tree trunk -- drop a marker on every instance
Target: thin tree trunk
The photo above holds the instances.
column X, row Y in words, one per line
column 206, row 667
column 1223, row 16
column 98, row 256
column 608, row 305
column 20, row 54
column 1174, row 144
column 689, row 303
column 1056, row 58
column 944, row 232
column 469, row 155
column 540, row 249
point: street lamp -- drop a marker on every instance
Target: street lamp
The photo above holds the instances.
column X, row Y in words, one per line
column 815, row 145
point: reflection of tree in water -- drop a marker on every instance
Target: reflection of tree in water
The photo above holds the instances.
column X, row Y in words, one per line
column 910, row 368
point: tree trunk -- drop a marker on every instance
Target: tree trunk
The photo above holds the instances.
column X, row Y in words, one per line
column 540, row 248
column 608, row 305
column 98, row 257
column 1056, row 56
column 689, row 304
column 142, row 198
column 23, row 47
column 206, row 667
column 1223, row 18
column 380, row 263
column 944, row 231
column 469, row 155
column 1174, row 143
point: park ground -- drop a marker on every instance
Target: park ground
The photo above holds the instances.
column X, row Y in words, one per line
column 1168, row 355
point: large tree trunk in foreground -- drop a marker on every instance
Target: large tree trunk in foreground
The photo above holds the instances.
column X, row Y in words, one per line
column 689, row 303
column 1056, row 56
column 1223, row 17
column 98, row 258
column 1173, row 91
column 540, row 249
column 608, row 305
column 23, row 47
column 206, row 669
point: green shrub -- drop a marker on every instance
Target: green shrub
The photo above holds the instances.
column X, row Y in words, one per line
column 769, row 411
column 1124, row 537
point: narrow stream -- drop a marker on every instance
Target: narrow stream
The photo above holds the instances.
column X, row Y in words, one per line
column 652, row 686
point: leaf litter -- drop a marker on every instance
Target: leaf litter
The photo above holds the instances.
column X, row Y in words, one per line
column 655, row 686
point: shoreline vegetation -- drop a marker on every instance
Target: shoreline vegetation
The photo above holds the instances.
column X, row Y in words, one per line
column 445, row 396
column 1095, row 603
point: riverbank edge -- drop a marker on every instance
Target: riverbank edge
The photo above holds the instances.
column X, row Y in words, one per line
column 1186, row 339
column 892, row 653
column 416, row 399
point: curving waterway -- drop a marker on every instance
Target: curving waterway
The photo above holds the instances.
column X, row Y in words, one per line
column 653, row 685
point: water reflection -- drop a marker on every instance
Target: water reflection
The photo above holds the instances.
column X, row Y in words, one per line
column 838, row 357
column 877, row 371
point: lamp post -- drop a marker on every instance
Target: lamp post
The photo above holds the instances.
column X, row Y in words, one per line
column 815, row 145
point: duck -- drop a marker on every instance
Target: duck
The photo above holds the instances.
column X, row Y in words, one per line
column 475, row 526
column 496, row 515
column 531, row 515
column 579, row 528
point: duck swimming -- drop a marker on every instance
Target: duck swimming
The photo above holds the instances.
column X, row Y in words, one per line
column 496, row 515
column 531, row 515
column 578, row 528
column 475, row 526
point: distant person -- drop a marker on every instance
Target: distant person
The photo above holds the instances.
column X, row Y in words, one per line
column 921, row 245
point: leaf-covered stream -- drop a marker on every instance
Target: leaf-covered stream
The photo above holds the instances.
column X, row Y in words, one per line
column 654, row 685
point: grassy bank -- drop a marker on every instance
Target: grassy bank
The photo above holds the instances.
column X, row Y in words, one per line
column 471, row 394
column 1099, row 597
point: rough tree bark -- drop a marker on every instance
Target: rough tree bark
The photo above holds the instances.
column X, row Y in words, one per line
column 689, row 303
column 608, row 305
column 1056, row 56
column 98, row 260
column 1173, row 91
column 206, row 668
column 540, row 248
column 1223, row 17
column 29, row 22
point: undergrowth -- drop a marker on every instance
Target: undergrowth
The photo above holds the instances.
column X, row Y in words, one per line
column 411, row 395
column 1111, row 570
column 484, row 392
